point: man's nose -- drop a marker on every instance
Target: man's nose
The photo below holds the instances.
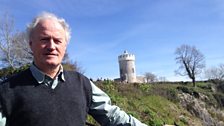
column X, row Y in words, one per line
column 51, row 44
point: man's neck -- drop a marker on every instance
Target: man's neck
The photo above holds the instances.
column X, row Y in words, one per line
column 50, row 71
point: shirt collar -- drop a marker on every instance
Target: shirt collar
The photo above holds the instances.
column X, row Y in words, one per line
column 40, row 76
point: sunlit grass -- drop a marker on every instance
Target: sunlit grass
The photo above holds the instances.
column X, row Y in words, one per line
column 153, row 104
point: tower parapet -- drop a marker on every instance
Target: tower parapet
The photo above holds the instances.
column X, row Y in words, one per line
column 126, row 56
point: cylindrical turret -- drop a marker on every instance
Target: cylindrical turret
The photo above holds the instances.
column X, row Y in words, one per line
column 127, row 67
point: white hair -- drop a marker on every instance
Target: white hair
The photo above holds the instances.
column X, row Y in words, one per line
column 47, row 15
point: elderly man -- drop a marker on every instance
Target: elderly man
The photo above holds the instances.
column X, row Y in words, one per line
column 47, row 95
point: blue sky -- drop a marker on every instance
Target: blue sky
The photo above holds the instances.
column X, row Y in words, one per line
column 149, row 29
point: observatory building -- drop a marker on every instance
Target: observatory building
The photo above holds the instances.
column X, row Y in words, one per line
column 127, row 67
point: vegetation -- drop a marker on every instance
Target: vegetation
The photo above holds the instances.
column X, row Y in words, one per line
column 157, row 104
column 215, row 73
column 150, row 77
column 14, row 48
column 9, row 71
column 191, row 61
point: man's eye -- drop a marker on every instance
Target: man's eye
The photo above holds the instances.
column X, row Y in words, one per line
column 57, row 41
column 44, row 39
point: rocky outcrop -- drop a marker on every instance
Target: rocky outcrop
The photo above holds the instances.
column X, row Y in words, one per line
column 197, row 107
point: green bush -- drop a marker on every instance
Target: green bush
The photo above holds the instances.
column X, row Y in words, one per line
column 206, row 86
column 172, row 95
column 185, row 89
column 220, row 87
column 220, row 99
column 145, row 87
column 9, row 71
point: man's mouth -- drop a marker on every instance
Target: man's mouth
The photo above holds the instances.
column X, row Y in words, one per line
column 51, row 54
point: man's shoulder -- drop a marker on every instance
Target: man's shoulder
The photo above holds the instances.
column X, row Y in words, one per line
column 74, row 74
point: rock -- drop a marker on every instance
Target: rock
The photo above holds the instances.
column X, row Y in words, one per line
column 220, row 123
column 196, row 107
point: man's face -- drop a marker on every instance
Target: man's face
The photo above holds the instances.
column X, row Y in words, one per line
column 48, row 44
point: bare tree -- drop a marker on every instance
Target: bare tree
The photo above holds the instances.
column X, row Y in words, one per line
column 162, row 79
column 191, row 61
column 14, row 48
column 150, row 77
column 6, row 33
column 215, row 73
column 21, row 49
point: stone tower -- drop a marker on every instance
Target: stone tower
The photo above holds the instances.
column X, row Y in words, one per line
column 127, row 67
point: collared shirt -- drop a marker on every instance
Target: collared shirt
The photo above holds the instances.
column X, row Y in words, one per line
column 101, row 103
column 44, row 79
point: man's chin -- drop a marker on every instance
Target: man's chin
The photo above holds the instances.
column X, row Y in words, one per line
column 52, row 64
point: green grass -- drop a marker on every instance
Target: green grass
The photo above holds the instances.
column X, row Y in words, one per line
column 153, row 104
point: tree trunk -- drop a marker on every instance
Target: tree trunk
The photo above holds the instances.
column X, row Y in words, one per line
column 193, row 81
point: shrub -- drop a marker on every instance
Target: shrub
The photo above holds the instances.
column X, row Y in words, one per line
column 185, row 89
column 206, row 86
column 220, row 87
column 220, row 99
column 145, row 87
column 9, row 71
column 172, row 95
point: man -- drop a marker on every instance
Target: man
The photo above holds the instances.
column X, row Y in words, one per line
column 47, row 95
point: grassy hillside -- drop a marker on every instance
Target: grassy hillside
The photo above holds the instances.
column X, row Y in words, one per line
column 156, row 104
